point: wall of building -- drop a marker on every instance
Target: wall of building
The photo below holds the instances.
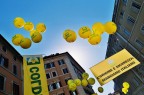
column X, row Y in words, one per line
column 7, row 72
column 130, row 35
column 70, row 64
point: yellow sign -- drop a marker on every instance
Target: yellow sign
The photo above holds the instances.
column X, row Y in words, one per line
column 35, row 82
column 114, row 66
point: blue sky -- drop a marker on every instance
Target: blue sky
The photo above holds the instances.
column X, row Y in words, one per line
column 59, row 15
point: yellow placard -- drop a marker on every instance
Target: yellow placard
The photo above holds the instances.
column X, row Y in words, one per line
column 35, row 82
column 114, row 66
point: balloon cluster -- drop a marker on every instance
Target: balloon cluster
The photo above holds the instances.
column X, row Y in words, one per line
column 72, row 84
column 125, row 87
column 35, row 34
column 94, row 36
column 86, row 81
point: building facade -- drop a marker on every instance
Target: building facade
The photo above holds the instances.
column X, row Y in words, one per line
column 59, row 69
column 11, row 82
column 128, row 15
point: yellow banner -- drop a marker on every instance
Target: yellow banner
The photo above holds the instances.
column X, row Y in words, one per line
column 35, row 82
column 114, row 66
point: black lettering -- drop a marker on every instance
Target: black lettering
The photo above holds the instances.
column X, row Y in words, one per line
column 37, row 90
column 35, row 76
column 36, row 81
column 128, row 66
column 124, row 62
column 34, row 69
column 104, row 73
column 111, row 75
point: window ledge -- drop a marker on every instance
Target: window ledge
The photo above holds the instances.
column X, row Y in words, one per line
column 10, row 72
column 3, row 92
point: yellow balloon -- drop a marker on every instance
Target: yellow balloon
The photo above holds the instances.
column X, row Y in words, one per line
column 77, row 82
column 36, row 37
column 29, row 26
column 41, row 27
column 84, row 32
column 84, row 82
column 110, row 27
column 70, row 81
column 16, row 39
column 72, row 86
column 126, row 85
column 19, row 22
column 85, row 75
column 69, row 35
column 94, row 94
column 98, row 27
column 31, row 32
column 91, row 81
column 94, row 39
column 25, row 43
column 124, row 90
column 100, row 89
column 97, row 32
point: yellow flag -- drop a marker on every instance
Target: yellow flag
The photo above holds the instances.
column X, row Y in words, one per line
column 35, row 82
column 114, row 66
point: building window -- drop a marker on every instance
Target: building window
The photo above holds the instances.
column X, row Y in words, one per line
column 140, row 43
column 127, row 33
column 54, row 74
column 58, row 84
column 60, row 62
column 130, row 20
column 79, row 75
column 141, row 92
column 65, row 70
column 120, row 47
column 3, row 61
column 15, row 89
column 14, row 58
column 49, row 65
column 48, row 75
column 4, row 48
column 142, row 29
column 52, row 64
column 133, row 87
column 75, row 70
column 2, row 81
column 119, row 27
column 73, row 93
column 135, row 7
column 61, row 94
column 125, row 1
column 50, row 87
column 15, row 69
column 116, row 40
column 136, row 82
column 55, row 85
column 122, row 13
